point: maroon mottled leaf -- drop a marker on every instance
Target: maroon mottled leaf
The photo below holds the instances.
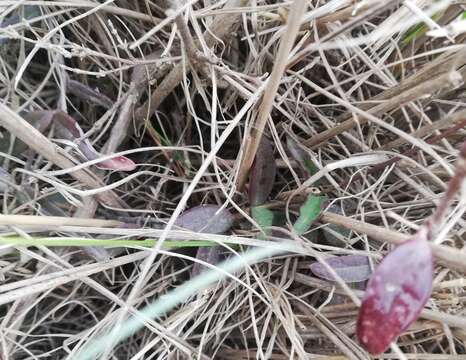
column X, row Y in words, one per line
column 209, row 254
column 351, row 268
column 262, row 176
column 88, row 94
column 396, row 293
column 301, row 156
column 69, row 129
column 40, row 119
column 206, row 218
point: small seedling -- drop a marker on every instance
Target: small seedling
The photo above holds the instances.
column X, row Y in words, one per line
column 402, row 283
column 262, row 179
column 211, row 219
column 68, row 129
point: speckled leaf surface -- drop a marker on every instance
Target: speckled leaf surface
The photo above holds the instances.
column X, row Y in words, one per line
column 67, row 128
column 350, row 268
column 204, row 218
column 396, row 293
column 262, row 176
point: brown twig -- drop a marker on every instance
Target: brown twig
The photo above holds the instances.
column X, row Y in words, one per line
column 86, row 93
column 410, row 153
column 219, row 29
column 450, row 120
column 455, row 187
column 409, row 95
column 196, row 58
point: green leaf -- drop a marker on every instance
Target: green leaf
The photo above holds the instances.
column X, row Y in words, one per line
column 308, row 213
column 417, row 30
column 311, row 168
column 263, row 216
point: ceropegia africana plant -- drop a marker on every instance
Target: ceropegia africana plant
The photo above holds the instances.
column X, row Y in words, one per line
column 350, row 268
column 211, row 219
column 402, row 283
column 261, row 181
column 67, row 128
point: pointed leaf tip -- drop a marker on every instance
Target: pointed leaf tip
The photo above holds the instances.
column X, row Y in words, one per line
column 117, row 163
column 396, row 293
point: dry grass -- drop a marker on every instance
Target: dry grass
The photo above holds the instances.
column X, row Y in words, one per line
column 187, row 89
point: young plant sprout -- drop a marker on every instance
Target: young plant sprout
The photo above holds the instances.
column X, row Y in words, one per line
column 402, row 283
column 67, row 128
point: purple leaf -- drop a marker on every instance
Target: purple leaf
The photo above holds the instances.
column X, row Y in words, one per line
column 396, row 293
column 351, row 268
column 69, row 129
column 301, row 156
column 40, row 119
column 88, row 94
column 116, row 163
column 204, row 218
column 262, row 176
column 208, row 254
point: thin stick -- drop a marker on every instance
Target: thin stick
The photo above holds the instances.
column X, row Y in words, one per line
column 257, row 129
column 409, row 95
column 432, row 140
column 450, row 120
column 219, row 29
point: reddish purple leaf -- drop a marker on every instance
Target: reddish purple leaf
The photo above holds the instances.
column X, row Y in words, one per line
column 67, row 128
column 208, row 254
column 351, row 268
column 204, row 218
column 88, row 94
column 116, row 163
column 207, row 219
column 40, row 119
column 396, row 293
column 262, row 176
